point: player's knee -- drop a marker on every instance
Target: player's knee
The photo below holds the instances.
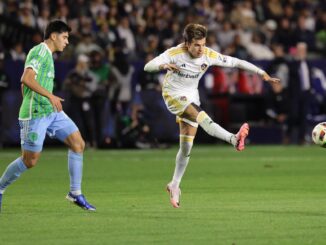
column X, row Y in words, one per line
column 78, row 146
column 30, row 160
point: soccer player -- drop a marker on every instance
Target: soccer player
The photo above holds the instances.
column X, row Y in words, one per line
column 41, row 113
column 185, row 65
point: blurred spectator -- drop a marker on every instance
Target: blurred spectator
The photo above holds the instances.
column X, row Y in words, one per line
column 83, row 8
column 258, row 50
column 107, row 36
column 122, row 72
column 279, row 67
column 260, row 10
column 26, row 16
column 277, row 108
column 299, row 93
column 2, row 7
column 126, row 34
column 244, row 15
column 284, row 34
column 274, row 9
column 303, row 34
column 80, row 85
column 149, row 89
column 226, row 35
column 211, row 42
column 43, row 19
column 269, row 29
column 113, row 16
column 63, row 13
column 134, row 132
column 99, row 97
column 17, row 52
column 87, row 45
column 236, row 49
column 97, row 7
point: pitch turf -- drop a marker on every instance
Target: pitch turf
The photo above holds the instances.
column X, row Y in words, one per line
column 264, row 195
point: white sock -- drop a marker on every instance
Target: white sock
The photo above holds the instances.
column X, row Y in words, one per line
column 182, row 159
column 76, row 193
column 214, row 129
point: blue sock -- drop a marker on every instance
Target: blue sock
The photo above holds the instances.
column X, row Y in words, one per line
column 13, row 171
column 75, row 167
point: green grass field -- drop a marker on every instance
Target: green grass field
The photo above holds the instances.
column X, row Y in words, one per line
column 264, row 195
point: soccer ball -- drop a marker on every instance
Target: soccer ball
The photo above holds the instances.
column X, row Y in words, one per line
column 319, row 134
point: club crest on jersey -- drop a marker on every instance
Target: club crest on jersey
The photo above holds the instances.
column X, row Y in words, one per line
column 183, row 98
column 203, row 67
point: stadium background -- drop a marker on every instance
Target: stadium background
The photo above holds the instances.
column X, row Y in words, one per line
column 126, row 32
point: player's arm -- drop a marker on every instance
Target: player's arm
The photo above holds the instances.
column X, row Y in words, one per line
column 160, row 63
column 228, row 61
column 245, row 65
column 28, row 79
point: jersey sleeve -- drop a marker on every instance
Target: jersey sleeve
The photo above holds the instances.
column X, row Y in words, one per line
column 218, row 59
column 33, row 61
column 153, row 65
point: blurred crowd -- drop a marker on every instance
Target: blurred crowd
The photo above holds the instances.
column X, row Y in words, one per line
column 243, row 28
column 109, row 37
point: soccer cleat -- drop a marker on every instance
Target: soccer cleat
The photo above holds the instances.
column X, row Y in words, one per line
column 175, row 194
column 80, row 201
column 241, row 137
column 0, row 202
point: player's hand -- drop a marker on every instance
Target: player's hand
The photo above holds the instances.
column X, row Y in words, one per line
column 170, row 67
column 269, row 79
column 56, row 102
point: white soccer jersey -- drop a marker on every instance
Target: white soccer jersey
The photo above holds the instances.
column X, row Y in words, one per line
column 180, row 88
column 192, row 69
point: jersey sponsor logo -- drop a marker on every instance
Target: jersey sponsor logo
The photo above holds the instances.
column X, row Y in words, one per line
column 184, row 75
column 203, row 67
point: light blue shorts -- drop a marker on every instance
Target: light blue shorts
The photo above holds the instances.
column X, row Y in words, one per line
column 32, row 132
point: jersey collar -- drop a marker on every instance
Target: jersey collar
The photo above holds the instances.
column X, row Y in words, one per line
column 46, row 46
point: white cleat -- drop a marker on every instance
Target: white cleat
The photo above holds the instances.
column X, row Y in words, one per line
column 175, row 194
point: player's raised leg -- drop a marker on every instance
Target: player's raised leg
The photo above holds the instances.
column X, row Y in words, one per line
column 237, row 140
column 75, row 166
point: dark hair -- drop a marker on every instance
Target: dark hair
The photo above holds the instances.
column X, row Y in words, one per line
column 194, row 31
column 56, row 26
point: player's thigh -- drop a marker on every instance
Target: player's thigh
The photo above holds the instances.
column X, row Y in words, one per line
column 187, row 129
column 32, row 133
column 191, row 112
column 177, row 103
column 61, row 127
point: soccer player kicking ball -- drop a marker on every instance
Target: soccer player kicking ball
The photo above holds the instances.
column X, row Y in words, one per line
column 185, row 65
column 41, row 113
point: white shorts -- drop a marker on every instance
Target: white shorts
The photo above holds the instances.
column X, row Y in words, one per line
column 178, row 102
